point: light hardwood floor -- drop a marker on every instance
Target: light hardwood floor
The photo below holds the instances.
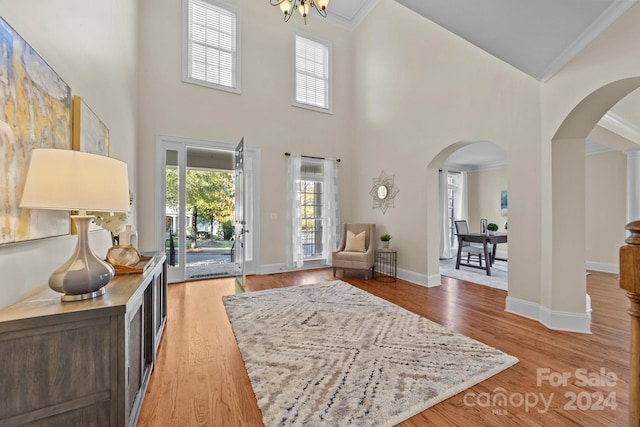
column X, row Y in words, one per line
column 200, row 380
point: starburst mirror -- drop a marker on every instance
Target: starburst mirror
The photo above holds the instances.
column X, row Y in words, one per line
column 384, row 192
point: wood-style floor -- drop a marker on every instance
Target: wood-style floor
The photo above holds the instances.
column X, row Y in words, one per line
column 200, row 380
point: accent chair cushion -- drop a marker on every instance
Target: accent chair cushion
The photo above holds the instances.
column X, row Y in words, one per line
column 355, row 242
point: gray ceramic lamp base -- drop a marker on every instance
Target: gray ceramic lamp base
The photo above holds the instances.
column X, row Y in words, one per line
column 84, row 275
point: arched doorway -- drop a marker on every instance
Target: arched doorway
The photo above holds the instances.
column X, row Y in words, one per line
column 565, row 296
column 469, row 177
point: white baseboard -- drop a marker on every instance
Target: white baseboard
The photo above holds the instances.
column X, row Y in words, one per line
column 409, row 276
column 556, row 320
column 282, row 268
column 419, row 278
column 606, row 268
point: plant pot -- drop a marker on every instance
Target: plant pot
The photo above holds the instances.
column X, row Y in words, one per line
column 384, row 244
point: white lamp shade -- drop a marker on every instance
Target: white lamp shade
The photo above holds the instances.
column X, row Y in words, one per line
column 285, row 6
column 304, row 8
column 322, row 4
column 74, row 180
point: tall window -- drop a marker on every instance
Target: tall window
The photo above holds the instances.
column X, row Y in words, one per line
column 210, row 52
column 311, row 201
column 313, row 82
column 452, row 198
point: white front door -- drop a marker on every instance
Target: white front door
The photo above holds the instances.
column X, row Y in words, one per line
column 172, row 205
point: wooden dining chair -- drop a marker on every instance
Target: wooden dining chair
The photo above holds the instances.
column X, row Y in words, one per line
column 468, row 248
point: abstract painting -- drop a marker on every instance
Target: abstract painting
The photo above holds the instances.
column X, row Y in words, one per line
column 503, row 203
column 35, row 112
column 89, row 133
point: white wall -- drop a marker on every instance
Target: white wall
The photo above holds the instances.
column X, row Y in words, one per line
column 419, row 90
column 484, row 200
column 569, row 112
column 605, row 209
column 605, row 206
column 405, row 91
column 92, row 46
column 262, row 113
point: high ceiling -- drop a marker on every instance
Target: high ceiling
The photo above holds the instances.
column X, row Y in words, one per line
column 538, row 37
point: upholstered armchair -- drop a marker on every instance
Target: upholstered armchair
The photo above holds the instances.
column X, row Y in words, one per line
column 357, row 251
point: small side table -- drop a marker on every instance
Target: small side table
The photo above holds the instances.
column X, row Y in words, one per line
column 386, row 265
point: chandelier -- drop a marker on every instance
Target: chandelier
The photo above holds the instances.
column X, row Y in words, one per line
column 303, row 7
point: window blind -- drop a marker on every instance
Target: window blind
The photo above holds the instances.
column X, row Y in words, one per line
column 312, row 73
column 212, row 40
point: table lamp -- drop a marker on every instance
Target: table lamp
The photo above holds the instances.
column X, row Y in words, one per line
column 77, row 181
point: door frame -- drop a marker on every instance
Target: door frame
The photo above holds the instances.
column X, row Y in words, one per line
column 252, row 177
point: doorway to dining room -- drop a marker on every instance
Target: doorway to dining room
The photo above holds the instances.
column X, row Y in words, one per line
column 473, row 182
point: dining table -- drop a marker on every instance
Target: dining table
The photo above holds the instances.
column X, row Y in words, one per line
column 485, row 240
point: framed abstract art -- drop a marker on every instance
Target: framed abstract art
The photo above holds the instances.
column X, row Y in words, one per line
column 35, row 112
column 503, row 203
column 89, row 133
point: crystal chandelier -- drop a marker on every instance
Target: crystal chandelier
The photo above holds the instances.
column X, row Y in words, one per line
column 303, row 6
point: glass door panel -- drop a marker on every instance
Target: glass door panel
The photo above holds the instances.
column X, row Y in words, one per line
column 174, row 222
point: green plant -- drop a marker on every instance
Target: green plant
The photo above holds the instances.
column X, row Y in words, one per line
column 385, row 237
column 492, row 227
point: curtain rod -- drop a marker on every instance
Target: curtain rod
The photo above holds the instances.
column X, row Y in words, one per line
column 311, row 157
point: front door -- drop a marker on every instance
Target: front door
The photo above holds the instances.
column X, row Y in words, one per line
column 240, row 221
column 233, row 245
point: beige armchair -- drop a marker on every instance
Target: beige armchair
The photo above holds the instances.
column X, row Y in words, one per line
column 356, row 253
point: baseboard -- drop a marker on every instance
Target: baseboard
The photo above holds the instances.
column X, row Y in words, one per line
column 409, row 276
column 605, row 268
column 282, row 268
column 419, row 278
column 556, row 320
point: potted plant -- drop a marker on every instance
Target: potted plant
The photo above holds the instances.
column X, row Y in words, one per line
column 492, row 228
column 385, row 240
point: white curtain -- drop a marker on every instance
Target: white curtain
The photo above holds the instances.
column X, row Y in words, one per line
column 294, row 221
column 445, row 243
column 331, row 210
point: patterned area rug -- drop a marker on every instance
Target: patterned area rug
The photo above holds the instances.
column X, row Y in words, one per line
column 334, row 355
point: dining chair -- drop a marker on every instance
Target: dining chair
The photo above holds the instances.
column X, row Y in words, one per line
column 468, row 248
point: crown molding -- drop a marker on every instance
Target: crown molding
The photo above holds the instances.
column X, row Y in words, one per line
column 480, row 167
column 594, row 147
column 613, row 12
column 351, row 24
column 622, row 127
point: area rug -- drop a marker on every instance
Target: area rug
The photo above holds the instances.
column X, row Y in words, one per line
column 333, row 355
column 498, row 278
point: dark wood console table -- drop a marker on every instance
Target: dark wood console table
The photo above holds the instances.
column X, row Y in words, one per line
column 82, row 363
column 485, row 239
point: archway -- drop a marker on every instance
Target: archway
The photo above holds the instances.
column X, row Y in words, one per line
column 565, row 296
column 483, row 162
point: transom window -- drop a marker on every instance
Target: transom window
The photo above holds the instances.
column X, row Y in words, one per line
column 210, row 51
column 313, row 82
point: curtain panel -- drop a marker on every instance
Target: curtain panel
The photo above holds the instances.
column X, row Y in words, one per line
column 294, row 214
column 331, row 227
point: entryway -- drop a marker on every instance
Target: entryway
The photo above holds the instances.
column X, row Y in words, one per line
column 198, row 208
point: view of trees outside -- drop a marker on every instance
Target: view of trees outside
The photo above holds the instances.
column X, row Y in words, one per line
column 311, row 211
column 210, row 198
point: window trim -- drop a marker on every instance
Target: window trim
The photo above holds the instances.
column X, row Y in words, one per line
column 329, row 45
column 186, row 52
